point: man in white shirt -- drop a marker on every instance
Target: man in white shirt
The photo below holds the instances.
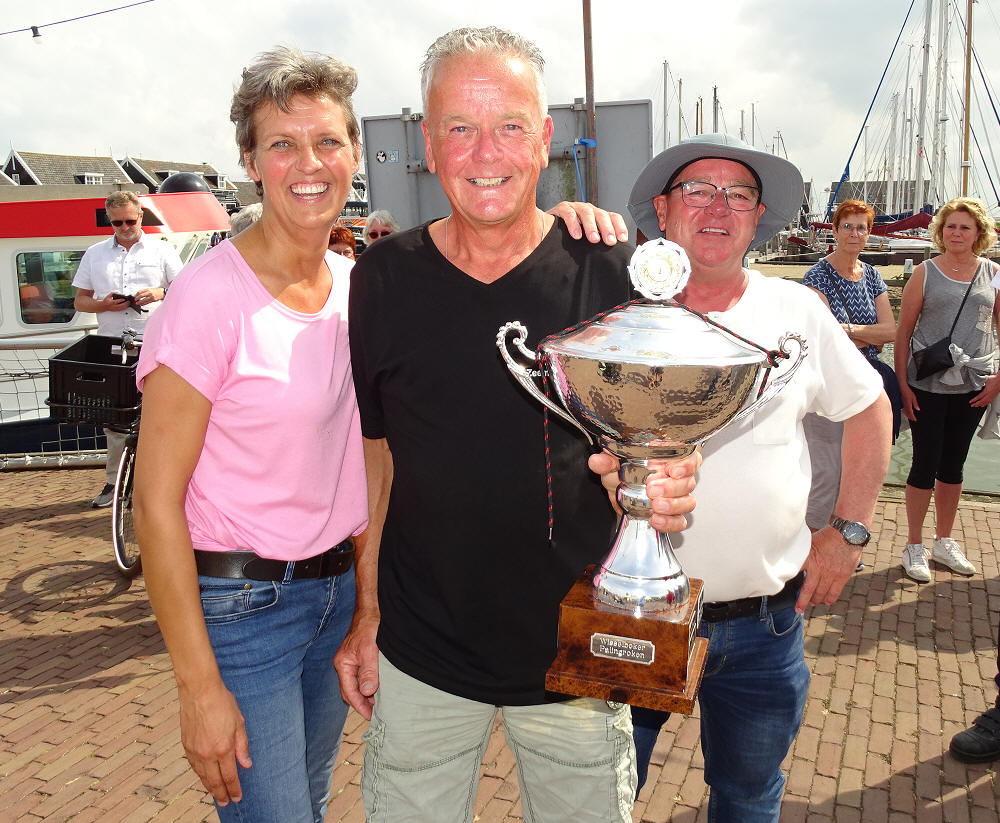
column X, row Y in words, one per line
column 122, row 280
column 716, row 197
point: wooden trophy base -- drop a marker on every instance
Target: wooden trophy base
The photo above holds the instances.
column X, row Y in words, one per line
column 610, row 654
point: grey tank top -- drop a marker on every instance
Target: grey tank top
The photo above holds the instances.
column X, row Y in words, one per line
column 973, row 331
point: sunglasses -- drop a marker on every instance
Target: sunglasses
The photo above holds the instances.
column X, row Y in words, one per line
column 119, row 223
column 375, row 235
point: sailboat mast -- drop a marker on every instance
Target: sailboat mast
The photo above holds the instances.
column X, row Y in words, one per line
column 968, row 96
column 902, row 173
column 666, row 88
column 918, row 193
column 680, row 88
column 940, row 91
column 890, row 166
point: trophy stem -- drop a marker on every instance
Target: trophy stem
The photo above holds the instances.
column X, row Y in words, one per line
column 641, row 573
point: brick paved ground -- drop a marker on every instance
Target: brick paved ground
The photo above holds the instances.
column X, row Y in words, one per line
column 88, row 726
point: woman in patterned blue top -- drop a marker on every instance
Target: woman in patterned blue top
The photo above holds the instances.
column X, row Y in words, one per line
column 857, row 296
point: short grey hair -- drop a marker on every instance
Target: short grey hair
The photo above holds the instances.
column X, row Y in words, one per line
column 488, row 40
column 120, row 199
column 276, row 76
column 380, row 216
column 245, row 218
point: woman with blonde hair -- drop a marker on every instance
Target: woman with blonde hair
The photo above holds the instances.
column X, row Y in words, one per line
column 950, row 309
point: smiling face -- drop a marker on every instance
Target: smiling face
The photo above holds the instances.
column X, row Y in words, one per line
column 486, row 136
column 715, row 237
column 305, row 160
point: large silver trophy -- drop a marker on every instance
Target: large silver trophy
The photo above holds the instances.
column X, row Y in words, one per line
column 649, row 380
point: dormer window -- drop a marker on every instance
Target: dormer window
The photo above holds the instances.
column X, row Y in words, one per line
column 93, row 179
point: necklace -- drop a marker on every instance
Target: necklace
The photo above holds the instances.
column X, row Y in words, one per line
column 960, row 265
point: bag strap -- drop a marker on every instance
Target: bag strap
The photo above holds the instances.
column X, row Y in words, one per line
column 962, row 305
column 840, row 294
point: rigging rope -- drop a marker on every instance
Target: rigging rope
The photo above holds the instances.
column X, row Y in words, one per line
column 847, row 168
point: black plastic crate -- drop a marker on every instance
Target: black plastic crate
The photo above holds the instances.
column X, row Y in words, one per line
column 89, row 382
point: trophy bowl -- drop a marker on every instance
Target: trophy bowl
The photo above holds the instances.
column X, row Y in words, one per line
column 648, row 380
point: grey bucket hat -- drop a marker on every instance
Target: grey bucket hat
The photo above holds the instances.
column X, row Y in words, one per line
column 781, row 183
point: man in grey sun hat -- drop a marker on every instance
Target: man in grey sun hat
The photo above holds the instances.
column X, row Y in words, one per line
column 716, row 197
column 782, row 197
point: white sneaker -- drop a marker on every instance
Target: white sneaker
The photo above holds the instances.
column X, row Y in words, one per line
column 947, row 552
column 915, row 562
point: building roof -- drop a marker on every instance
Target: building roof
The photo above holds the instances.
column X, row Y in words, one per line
column 5, row 180
column 246, row 192
column 68, row 169
column 155, row 172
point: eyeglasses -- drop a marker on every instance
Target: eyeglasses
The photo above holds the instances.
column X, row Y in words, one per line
column 344, row 252
column 119, row 223
column 861, row 228
column 701, row 195
column 375, row 235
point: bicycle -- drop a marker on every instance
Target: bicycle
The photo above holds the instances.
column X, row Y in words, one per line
column 123, row 538
column 88, row 384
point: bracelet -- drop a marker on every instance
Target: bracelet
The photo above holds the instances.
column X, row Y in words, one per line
column 850, row 330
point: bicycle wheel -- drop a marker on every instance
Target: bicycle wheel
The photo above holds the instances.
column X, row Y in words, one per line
column 122, row 526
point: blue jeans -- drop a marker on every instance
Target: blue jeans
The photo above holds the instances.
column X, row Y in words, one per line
column 274, row 643
column 751, row 700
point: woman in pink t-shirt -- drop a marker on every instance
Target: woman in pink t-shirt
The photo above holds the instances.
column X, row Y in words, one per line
column 250, row 478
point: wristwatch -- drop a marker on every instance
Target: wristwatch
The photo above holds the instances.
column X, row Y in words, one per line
column 853, row 532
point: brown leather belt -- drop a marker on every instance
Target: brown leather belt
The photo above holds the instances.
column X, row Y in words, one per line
column 750, row 606
column 331, row 563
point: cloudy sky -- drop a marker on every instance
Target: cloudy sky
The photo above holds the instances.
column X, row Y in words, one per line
column 155, row 80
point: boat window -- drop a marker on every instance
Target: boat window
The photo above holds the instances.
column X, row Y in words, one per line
column 45, row 283
column 194, row 245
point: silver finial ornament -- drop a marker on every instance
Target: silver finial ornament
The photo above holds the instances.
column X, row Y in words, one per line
column 659, row 270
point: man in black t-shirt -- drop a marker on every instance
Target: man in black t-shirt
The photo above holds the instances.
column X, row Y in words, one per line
column 469, row 564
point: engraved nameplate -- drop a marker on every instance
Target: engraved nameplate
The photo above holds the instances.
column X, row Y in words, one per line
column 622, row 648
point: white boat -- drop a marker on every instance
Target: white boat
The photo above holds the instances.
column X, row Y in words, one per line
column 41, row 243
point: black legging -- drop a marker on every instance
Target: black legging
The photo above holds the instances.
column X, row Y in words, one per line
column 942, row 434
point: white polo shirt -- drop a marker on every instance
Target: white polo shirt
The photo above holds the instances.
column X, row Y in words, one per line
column 107, row 267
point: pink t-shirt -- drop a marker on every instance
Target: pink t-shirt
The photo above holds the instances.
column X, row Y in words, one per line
column 281, row 472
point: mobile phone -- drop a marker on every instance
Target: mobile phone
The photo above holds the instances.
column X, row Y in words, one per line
column 131, row 301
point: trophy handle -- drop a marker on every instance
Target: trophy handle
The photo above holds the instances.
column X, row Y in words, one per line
column 772, row 389
column 525, row 376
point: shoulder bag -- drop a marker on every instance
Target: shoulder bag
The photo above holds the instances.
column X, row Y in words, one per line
column 889, row 381
column 937, row 356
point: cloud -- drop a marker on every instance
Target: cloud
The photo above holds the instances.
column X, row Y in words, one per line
column 156, row 79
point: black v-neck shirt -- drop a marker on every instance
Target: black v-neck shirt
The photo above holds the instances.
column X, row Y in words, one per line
column 469, row 585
